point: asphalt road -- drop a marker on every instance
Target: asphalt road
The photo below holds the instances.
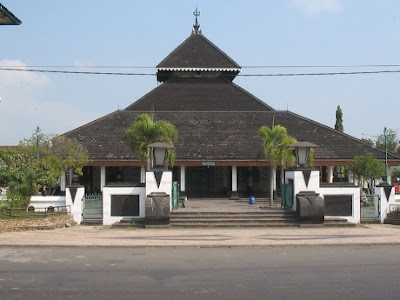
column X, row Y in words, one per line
column 349, row 272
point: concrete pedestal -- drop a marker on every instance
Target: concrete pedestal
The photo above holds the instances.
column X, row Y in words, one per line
column 157, row 209
column 310, row 207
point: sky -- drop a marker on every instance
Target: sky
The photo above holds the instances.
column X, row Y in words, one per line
column 281, row 36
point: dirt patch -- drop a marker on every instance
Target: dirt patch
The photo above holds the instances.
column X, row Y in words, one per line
column 50, row 222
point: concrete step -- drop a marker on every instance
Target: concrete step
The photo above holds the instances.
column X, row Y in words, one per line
column 229, row 215
column 370, row 221
column 236, row 220
column 129, row 222
column 92, row 222
column 232, row 224
column 232, row 213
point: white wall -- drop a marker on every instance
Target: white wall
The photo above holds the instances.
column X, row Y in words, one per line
column 40, row 203
column 384, row 202
column 109, row 191
column 76, row 205
column 299, row 183
column 354, row 191
column 165, row 185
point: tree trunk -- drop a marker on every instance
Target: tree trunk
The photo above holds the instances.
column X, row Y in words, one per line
column 282, row 175
column 271, row 185
column 148, row 160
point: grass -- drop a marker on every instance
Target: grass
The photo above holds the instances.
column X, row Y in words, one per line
column 22, row 213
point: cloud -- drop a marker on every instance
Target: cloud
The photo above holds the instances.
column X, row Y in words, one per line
column 314, row 7
column 12, row 79
column 31, row 99
column 22, row 94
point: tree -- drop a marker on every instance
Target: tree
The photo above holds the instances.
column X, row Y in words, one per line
column 36, row 162
column 18, row 173
column 68, row 154
column 392, row 143
column 386, row 139
column 145, row 131
column 275, row 141
column 339, row 119
column 367, row 167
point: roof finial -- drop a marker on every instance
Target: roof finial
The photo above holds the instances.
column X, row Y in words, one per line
column 196, row 25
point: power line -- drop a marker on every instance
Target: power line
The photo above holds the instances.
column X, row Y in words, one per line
column 322, row 66
column 79, row 67
column 77, row 72
column 243, row 75
column 243, row 67
column 321, row 74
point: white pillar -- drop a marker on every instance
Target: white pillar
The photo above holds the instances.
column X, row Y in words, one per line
column 183, row 179
column 351, row 177
column 63, row 181
column 234, row 178
column 102, row 177
column 142, row 174
column 329, row 175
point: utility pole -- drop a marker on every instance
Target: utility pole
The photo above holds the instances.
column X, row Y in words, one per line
column 37, row 153
column 386, row 155
column 37, row 145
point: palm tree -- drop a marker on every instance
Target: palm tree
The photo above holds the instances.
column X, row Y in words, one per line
column 145, row 131
column 275, row 140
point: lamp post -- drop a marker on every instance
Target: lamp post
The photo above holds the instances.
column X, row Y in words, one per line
column 302, row 151
column 309, row 205
column 160, row 150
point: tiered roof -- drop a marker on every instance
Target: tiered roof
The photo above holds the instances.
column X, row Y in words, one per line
column 220, row 136
column 216, row 119
column 198, row 53
column 199, row 94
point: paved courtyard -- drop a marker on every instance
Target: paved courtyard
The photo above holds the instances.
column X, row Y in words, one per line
column 229, row 237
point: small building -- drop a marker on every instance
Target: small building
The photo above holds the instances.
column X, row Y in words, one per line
column 218, row 152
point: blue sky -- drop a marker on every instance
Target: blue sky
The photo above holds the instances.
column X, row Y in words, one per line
column 254, row 33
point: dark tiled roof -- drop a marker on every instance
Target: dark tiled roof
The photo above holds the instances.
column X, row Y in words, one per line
column 220, row 136
column 199, row 94
column 197, row 52
column 7, row 17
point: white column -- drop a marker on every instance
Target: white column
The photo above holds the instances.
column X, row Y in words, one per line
column 329, row 175
column 351, row 177
column 234, row 178
column 183, row 179
column 102, row 177
column 63, row 181
column 142, row 174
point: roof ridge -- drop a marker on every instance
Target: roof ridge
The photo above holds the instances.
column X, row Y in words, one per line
column 92, row 122
column 251, row 95
column 173, row 51
column 340, row 133
column 153, row 90
column 221, row 51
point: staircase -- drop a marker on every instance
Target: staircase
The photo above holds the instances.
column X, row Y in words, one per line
column 270, row 218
